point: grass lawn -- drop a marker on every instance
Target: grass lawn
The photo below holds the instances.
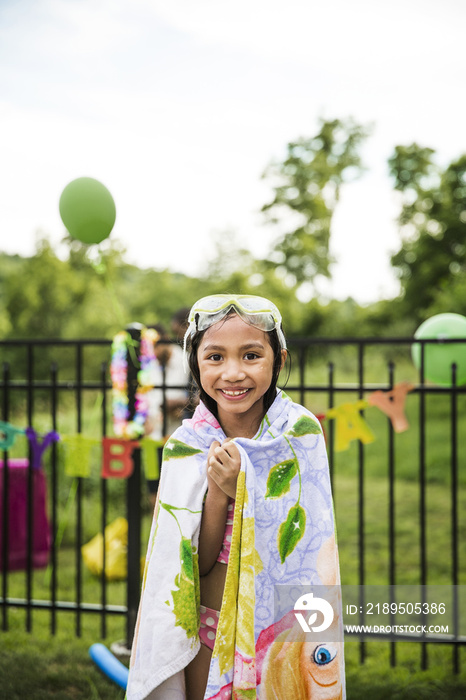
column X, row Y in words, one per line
column 376, row 680
column 40, row 665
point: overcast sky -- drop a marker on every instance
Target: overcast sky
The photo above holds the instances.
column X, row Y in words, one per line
column 178, row 106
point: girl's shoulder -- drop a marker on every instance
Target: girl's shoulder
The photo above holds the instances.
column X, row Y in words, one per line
column 298, row 419
column 202, row 419
column 197, row 432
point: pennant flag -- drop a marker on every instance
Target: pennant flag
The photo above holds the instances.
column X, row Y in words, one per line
column 392, row 403
column 117, row 459
column 150, row 452
column 78, row 454
column 38, row 448
column 8, row 435
column 350, row 425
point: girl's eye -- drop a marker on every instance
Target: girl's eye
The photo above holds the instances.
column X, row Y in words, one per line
column 251, row 356
column 215, row 357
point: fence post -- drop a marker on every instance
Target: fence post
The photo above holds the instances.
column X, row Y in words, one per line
column 133, row 494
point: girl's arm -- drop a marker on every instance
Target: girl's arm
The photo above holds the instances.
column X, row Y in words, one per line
column 223, row 465
column 214, row 518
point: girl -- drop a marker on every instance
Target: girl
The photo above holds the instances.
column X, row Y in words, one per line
column 244, row 506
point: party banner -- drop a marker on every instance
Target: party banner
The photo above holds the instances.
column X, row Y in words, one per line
column 392, row 403
column 38, row 445
column 350, row 425
column 77, row 456
column 150, row 457
column 8, row 435
column 117, row 462
column 117, row 459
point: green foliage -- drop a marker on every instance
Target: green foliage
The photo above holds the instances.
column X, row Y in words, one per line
column 82, row 296
column 432, row 257
column 40, row 296
column 307, row 187
column 411, row 167
column 10, row 267
column 44, row 296
column 91, row 294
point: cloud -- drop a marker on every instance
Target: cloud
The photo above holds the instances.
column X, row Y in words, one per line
column 179, row 106
column 335, row 34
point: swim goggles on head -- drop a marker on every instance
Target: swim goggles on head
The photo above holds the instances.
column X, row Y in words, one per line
column 259, row 312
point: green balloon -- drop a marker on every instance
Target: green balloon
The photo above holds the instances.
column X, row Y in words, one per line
column 439, row 357
column 87, row 209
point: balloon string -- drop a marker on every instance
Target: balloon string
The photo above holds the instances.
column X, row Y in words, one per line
column 131, row 343
column 113, row 297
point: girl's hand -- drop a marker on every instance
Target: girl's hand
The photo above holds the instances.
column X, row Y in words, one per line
column 223, row 466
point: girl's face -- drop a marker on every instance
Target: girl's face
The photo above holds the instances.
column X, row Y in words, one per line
column 236, row 365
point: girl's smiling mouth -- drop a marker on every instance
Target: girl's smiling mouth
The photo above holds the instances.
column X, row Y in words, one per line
column 234, row 393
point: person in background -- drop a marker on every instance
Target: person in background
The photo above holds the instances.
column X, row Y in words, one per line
column 179, row 326
column 166, row 408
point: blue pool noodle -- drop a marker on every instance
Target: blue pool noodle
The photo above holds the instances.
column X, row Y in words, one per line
column 109, row 664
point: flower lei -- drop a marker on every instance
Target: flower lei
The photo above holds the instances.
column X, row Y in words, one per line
column 147, row 378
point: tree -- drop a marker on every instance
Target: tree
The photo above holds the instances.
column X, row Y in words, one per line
column 307, row 188
column 39, row 298
column 432, row 256
column 54, row 298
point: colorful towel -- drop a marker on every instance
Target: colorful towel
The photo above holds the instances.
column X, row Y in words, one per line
column 283, row 536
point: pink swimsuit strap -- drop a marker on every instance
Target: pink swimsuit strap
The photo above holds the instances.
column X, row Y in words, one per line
column 225, row 550
column 208, row 627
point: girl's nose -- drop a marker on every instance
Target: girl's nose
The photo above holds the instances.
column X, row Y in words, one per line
column 233, row 371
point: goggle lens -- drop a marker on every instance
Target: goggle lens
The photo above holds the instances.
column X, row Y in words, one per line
column 258, row 311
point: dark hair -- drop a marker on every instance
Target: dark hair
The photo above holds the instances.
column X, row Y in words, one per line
column 270, row 394
column 181, row 316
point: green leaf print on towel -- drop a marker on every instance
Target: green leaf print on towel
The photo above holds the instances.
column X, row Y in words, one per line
column 279, row 478
column 186, row 597
column 305, row 426
column 174, row 449
column 291, row 531
column 278, row 484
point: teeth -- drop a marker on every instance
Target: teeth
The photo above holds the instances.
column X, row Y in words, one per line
column 234, row 393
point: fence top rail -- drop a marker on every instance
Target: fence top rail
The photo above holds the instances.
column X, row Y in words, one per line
column 55, row 341
column 372, row 340
column 297, row 341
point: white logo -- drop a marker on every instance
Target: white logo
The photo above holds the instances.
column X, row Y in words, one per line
column 308, row 602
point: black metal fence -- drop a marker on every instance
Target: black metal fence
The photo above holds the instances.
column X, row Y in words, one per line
column 63, row 386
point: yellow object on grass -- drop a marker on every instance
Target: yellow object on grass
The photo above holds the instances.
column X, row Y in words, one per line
column 116, row 550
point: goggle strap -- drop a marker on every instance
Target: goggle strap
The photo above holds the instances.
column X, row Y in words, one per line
column 189, row 332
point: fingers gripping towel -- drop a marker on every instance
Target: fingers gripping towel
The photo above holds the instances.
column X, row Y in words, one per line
column 283, row 536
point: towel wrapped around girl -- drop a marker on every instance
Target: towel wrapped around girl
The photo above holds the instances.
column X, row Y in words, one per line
column 281, row 543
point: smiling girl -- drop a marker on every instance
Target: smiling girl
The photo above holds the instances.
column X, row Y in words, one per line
column 248, row 506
